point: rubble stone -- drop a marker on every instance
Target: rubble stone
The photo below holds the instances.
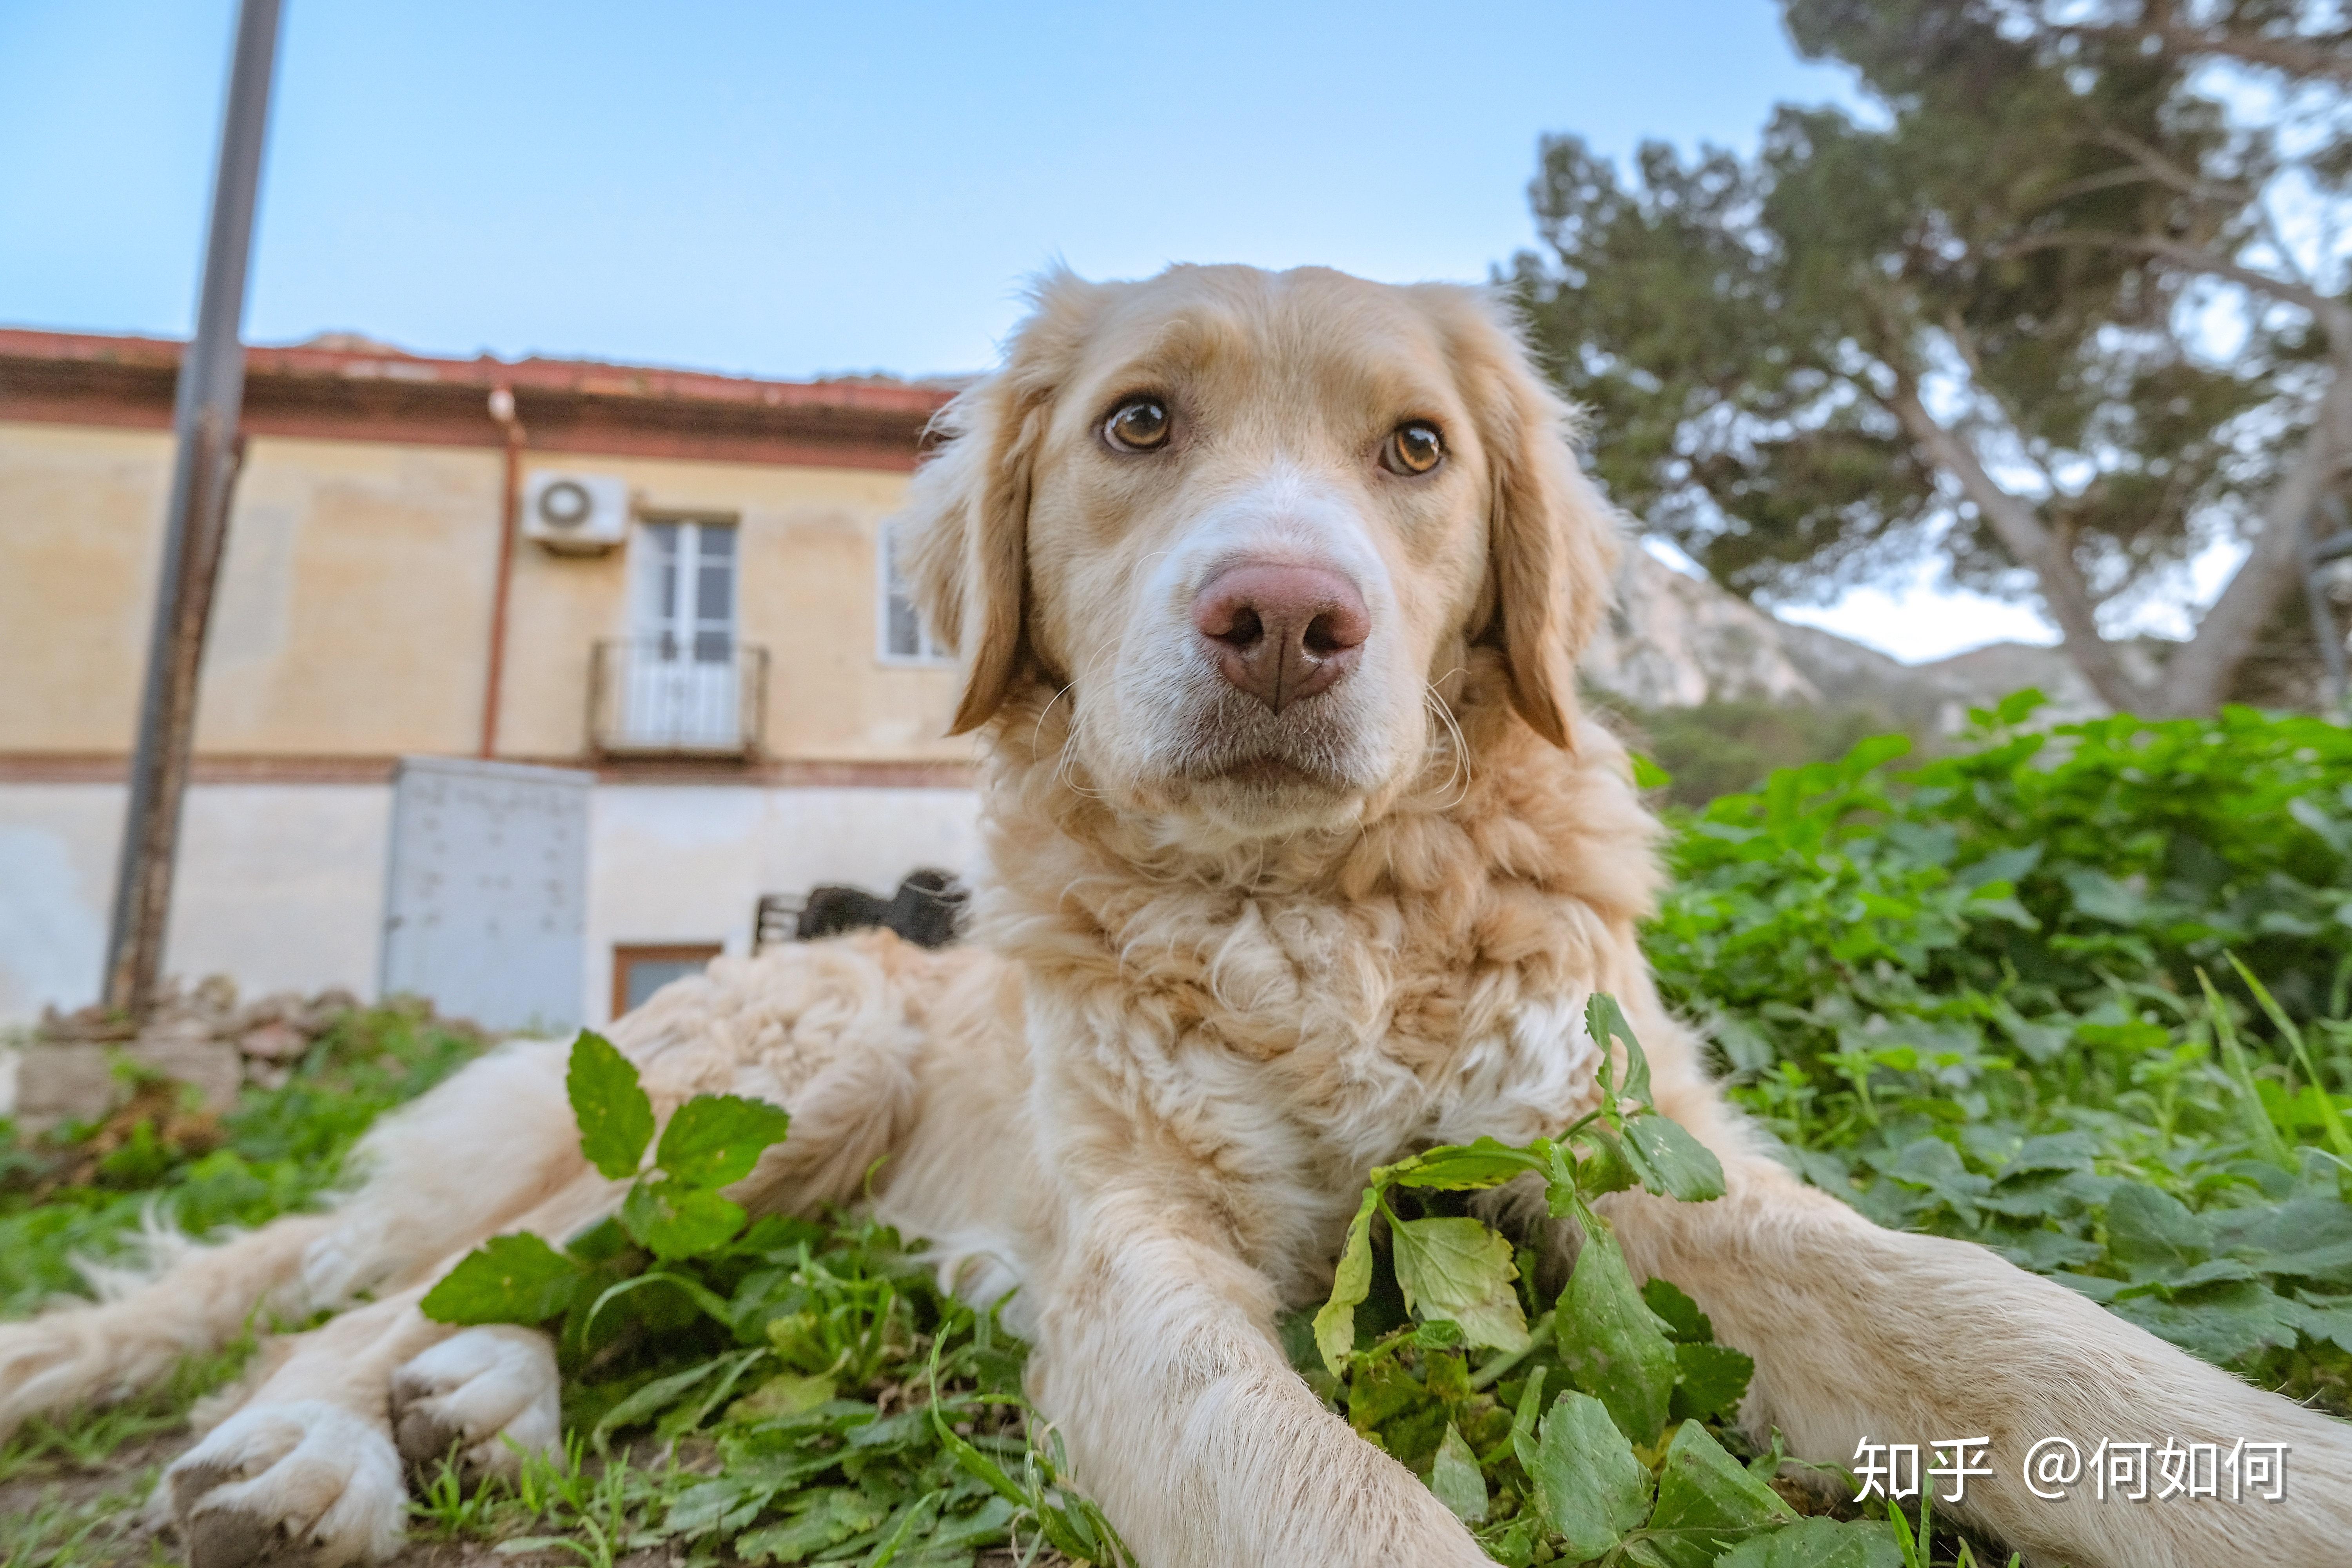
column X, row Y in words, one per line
column 186, row 1050
column 215, row 994
column 273, row 1041
column 64, row 1080
column 196, row 1035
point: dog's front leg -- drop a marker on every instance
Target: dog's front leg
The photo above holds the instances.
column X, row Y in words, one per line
column 310, row 1469
column 1861, row 1333
column 1158, row 1364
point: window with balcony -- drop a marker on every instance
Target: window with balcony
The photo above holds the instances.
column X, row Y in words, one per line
column 682, row 683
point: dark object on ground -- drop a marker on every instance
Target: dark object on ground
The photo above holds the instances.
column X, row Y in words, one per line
column 924, row 910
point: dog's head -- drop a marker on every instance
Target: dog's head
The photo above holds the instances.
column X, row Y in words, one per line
column 1249, row 524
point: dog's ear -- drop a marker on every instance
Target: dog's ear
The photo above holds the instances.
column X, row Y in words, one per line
column 963, row 533
column 963, row 540
column 1552, row 542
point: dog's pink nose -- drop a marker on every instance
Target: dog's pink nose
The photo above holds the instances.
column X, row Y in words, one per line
column 1281, row 633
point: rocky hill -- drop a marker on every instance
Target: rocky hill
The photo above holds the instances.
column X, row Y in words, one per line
column 1674, row 641
column 1677, row 641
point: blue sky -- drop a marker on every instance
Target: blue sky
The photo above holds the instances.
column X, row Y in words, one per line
column 789, row 189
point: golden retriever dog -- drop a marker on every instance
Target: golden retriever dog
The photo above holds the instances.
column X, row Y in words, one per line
column 1299, row 857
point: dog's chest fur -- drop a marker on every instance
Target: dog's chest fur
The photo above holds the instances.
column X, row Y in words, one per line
column 1284, row 1024
column 1289, row 1044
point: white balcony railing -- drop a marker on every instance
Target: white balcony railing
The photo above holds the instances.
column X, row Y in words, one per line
column 670, row 696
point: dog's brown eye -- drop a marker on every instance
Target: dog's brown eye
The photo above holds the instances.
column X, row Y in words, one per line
column 1139, row 425
column 1412, row 448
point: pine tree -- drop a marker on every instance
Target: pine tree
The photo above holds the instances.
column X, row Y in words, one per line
column 2069, row 313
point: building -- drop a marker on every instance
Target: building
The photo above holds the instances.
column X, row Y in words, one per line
column 687, row 602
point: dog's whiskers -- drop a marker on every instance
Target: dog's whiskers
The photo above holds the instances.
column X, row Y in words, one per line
column 1068, row 759
column 1461, row 747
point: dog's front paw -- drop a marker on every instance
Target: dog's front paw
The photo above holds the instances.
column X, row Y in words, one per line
column 489, row 1393
column 305, row 1483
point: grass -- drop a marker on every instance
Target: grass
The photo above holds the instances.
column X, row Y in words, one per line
column 277, row 1152
column 2084, row 996
column 54, row 1530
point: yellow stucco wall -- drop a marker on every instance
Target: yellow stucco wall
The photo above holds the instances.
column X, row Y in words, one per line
column 77, row 527
column 353, row 608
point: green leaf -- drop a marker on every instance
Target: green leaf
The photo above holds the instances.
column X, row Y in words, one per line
column 616, row 1120
column 1588, row 1485
column 1708, row 1380
column 1707, row 1502
column 1335, row 1322
column 697, row 1295
column 1818, row 1543
column 2265, row 1133
column 653, row 1398
column 1523, row 1421
column 1667, row 1160
column 1685, row 1322
column 1606, row 1167
column 827, row 1518
column 2015, row 708
column 2326, row 1318
column 2152, row 1234
column 714, row 1139
column 708, row 1505
column 1456, row 1480
column 1440, row 1334
column 789, row 1393
column 1874, row 750
column 686, row 1415
column 2309, row 1237
column 2220, row 1323
column 1605, row 1021
column 984, row 1526
column 671, row 1219
column 1513, row 1544
column 1610, row 1343
column 507, row 1279
column 1489, row 1162
column 1458, row 1269
column 909, row 1521
column 599, row 1243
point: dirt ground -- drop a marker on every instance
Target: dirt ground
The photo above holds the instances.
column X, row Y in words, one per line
column 127, row 1533
column 113, row 1498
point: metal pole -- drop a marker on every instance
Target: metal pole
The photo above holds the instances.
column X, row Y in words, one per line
column 502, row 409
column 195, row 524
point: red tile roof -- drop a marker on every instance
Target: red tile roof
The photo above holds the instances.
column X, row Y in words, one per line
column 344, row 386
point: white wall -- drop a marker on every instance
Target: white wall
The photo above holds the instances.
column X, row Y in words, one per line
column 56, row 873
column 688, row 863
column 282, row 886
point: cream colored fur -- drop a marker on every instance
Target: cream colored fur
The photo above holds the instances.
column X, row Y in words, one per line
column 1223, row 961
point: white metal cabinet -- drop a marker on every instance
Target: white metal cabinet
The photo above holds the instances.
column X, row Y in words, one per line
column 486, row 899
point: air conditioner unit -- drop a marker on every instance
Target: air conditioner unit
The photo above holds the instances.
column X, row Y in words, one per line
column 575, row 514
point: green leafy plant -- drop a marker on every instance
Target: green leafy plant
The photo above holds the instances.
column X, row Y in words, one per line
column 2081, row 994
column 673, row 1211
column 1620, row 1467
column 839, row 1405
column 278, row 1150
column 1976, row 999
